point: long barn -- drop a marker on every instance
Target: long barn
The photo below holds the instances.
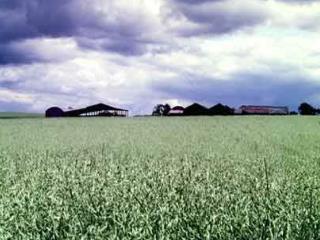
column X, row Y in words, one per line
column 264, row 110
column 98, row 110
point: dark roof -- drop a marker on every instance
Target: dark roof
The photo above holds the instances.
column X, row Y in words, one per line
column 94, row 108
column 54, row 109
column 101, row 106
column 196, row 109
column 217, row 106
column 220, row 109
column 75, row 112
column 196, row 106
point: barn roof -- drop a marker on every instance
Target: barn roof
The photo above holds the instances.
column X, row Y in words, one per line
column 217, row 106
column 196, row 106
column 94, row 108
column 196, row 109
column 54, row 109
column 101, row 106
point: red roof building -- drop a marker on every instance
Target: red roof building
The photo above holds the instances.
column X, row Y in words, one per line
column 176, row 111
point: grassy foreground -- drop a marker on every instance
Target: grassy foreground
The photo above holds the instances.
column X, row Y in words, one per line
column 169, row 178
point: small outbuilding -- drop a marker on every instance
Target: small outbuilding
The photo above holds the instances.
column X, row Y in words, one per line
column 54, row 112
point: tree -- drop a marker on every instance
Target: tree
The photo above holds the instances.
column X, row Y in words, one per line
column 161, row 110
column 166, row 110
column 307, row 109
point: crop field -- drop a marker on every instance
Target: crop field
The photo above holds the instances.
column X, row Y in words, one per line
column 160, row 178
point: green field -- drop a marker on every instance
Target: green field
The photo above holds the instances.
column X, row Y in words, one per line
column 12, row 115
column 160, row 178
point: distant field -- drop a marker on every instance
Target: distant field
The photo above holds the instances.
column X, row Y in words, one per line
column 160, row 178
column 19, row 115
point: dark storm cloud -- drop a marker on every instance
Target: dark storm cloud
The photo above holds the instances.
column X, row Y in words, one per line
column 14, row 25
column 123, row 32
column 10, row 53
column 38, row 18
column 126, row 33
column 245, row 88
column 52, row 18
column 11, row 4
column 20, row 20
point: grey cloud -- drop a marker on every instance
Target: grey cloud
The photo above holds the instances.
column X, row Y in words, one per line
column 215, row 17
column 11, row 4
column 52, row 18
column 14, row 25
column 197, row 1
column 299, row 1
column 37, row 18
column 10, row 53
column 125, row 33
column 20, row 20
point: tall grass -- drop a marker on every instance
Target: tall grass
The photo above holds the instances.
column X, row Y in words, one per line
column 175, row 178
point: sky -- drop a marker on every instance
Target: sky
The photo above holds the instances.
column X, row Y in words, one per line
column 137, row 53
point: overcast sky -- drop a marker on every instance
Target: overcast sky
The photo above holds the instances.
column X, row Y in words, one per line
column 136, row 53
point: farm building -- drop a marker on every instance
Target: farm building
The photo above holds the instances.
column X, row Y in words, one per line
column 176, row 111
column 196, row 110
column 54, row 112
column 264, row 110
column 220, row 109
column 98, row 110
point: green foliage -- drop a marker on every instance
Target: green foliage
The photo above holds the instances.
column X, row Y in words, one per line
column 152, row 178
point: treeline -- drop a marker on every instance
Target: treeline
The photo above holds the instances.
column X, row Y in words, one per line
column 308, row 109
column 224, row 110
